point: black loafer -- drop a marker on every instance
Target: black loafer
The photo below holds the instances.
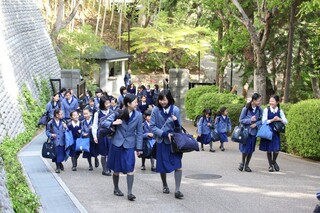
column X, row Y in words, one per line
column 270, row 169
column 166, row 190
column 74, row 169
column 118, row 193
column 106, row 173
column 57, row 170
column 222, row 149
column 131, row 197
column 61, row 167
column 241, row 166
column 178, row 195
column 212, row 150
column 276, row 167
column 90, row 168
column 247, row 169
column 96, row 162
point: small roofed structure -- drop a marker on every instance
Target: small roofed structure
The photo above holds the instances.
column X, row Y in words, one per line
column 112, row 68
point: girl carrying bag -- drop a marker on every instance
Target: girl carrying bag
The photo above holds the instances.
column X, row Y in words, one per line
column 183, row 142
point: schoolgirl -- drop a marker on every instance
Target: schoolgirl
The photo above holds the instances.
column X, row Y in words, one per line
column 205, row 128
column 102, row 140
column 155, row 94
column 223, row 125
column 250, row 117
column 99, row 94
column 86, row 132
column 143, row 105
column 87, row 97
column 272, row 114
column 147, row 135
column 149, row 95
column 91, row 106
column 114, row 104
column 53, row 104
column 68, row 105
column 123, row 92
column 165, row 118
column 127, row 138
column 75, row 127
column 55, row 132
column 62, row 94
column 132, row 89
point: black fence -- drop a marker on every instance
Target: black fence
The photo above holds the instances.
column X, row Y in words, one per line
column 193, row 84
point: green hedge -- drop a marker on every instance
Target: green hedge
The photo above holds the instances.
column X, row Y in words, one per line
column 22, row 198
column 214, row 101
column 303, row 132
column 192, row 98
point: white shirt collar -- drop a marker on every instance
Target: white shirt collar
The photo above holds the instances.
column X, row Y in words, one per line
column 166, row 111
column 224, row 117
column 274, row 110
column 74, row 124
column 130, row 114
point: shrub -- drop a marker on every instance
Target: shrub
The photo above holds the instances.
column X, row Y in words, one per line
column 303, row 132
column 23, row 199
column 213, row 101
column 192, row 97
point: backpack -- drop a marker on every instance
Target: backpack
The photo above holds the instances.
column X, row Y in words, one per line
column 196, row 120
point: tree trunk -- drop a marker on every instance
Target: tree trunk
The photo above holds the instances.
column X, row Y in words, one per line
column 290, row 50
column 315, row 87
column 98, row 18
column 104, row 19
column 259, row 76
column 219, row 58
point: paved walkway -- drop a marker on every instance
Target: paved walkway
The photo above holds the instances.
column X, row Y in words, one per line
column 210, row 183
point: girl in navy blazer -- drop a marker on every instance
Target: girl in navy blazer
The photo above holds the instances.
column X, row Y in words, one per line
column 147, row 135
column 75, row 127
column 165, row 119
column 102, row 140
column 272, row 114
column 127, row 139
column 69, row 104
column 55, row 132
column 86, row 132
column 53, row 104
column 250, row 118
column 223, row 125
column 204, row 129
column 114, row 104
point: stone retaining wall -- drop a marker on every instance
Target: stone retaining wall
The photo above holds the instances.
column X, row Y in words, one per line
column 26, row 54
column 5, row 203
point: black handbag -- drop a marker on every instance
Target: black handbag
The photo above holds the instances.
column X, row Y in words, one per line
column 240, row 134
column 279, row 127
column 183, row 142
column 49, row 150
column 215, row 135
column 44, row 119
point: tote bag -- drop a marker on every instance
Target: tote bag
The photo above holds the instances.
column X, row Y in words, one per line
column 240, row 134
column 48, row 150
column 183, row 142
column 265, row 132
column 215, row 135
column 83, row 144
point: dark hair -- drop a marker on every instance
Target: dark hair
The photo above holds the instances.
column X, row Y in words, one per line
column 147, row 112
column 73, row 111
column 105, row 94
column 156, row 86
column 127, row 99
column 143, row 87
column 68, row 92
column 122, row 88
column 103, row 99
column 206, row 111
column 62, row 90
column 165, row 93
column 56, row 111
column 114, row 99
column 91, row 99
column 221, row 111
column 277, row 99
column 58, row 102
column 99, row 91
column 89, row 93
column 86, row 108
column 254, row 97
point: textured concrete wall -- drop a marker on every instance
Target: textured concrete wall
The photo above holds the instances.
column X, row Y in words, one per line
column 26, row 54
column 70, row 79
column 179, row 85
column 5, row 203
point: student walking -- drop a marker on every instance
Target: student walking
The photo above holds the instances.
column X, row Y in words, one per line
column 53, row 105
column 204, row 129
column 75, row 127
column 250, row 117
column 165, row 119
column 223, row 126
column 149, row 137
column 273, row 114
column 55, row 132
column 127, row 138
column 102, row 140
column 68, row 105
